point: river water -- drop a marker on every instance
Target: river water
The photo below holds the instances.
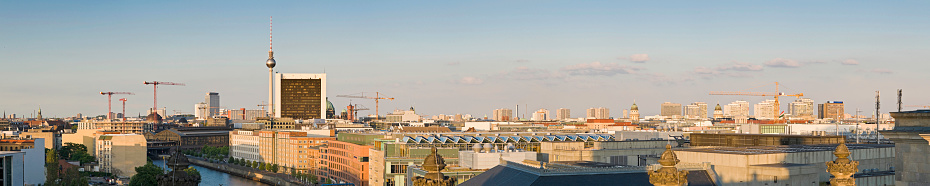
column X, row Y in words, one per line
column 210, row 177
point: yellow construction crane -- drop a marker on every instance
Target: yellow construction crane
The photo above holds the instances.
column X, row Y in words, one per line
column 377, row 99
column 776, row 94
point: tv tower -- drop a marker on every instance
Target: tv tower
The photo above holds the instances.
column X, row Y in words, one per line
column 270, row 63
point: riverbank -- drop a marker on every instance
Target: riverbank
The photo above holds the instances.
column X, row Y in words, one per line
column 248, row 173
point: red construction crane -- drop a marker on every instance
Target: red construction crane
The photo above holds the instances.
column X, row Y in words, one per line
column 377, row 98
column 109, row 100
column 124, row 108
column 155, row 92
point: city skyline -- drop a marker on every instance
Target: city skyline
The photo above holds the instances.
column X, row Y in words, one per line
column 463, row 57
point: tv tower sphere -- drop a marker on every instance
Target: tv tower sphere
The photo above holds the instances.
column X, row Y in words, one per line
column 270, row 63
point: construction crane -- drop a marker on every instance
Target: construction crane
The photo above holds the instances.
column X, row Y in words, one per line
column 155, row 92
column 110, row 100
column 124, row 108
column 352, row 111
column 377, row 99
column 922, row 106
column 776, row 95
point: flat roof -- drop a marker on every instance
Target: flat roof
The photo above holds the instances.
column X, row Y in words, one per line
column 752, row 150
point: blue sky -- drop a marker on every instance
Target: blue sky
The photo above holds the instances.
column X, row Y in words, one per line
column 463, row 57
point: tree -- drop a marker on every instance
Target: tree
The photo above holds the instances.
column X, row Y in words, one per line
column 192, row 171
column 293, row 171
column 254, row 164
column 261, row 166
column 69, row 149
column 73, row 177
column 231, row 160
column 274, row 168
column 146, row 175
column 51, row 167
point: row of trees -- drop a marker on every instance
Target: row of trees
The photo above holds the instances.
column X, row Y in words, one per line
column 208, row 152
column 273, row 168
column 148, row 174
column 258, row 165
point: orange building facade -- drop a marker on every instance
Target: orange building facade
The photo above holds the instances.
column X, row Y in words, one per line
column 345, row 162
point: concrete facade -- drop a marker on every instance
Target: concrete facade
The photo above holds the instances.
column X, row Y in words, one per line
column 120, row 154
column 11, row 167
column 610, row 152
column 487, row 160
column 793, row 165
column 911, row 137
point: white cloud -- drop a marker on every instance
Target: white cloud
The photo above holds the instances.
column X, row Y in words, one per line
column 525, row 73
column 882, row 71
column 738, row 66
column 468, row 80
column 705, row 70
column 639, row 58
column 850, row 62
column 782, row 63
column 522, row 61
column 599, row 69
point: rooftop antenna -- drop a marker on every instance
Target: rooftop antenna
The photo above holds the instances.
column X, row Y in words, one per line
column 899, row 100
column 877, row 118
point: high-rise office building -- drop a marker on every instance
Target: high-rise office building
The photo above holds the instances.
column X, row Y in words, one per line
column 598, row 113
column 802, row 108
column 212, row 100
column 503, row 114
column 670, row 109
column 736, row 109
column 300, row 96
column 200, row 110
column 764, row 109
column 830, row 110
column 541, row 115
column 563, row 114
column 696, row 110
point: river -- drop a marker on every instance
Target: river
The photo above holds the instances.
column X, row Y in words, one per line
column 210, row 177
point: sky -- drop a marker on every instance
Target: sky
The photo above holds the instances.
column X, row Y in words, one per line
column 463, row 57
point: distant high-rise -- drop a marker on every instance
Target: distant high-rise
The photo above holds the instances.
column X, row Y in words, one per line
column 764, row 109
column 598, row 113
column 802, row 108
column 670, row 109
column 830, row 110
column 503, row 114
column 541, row 115
column 212, row 99
column 300, row 96
column 563, row 114
column 696, row 110
column 736, row 109
column 200, row 110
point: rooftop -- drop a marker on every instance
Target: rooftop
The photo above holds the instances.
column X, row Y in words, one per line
column 752, row 150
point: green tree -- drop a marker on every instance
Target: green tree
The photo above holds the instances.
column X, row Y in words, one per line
column 231, row 160
column 274, row 168
column 146, row 175
column 192, row 171
column 51, row 167
column 261, row 166
column 69, row 149
column 312, row 178
column 254, row 164
column 293, row 171
column 73, row 178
